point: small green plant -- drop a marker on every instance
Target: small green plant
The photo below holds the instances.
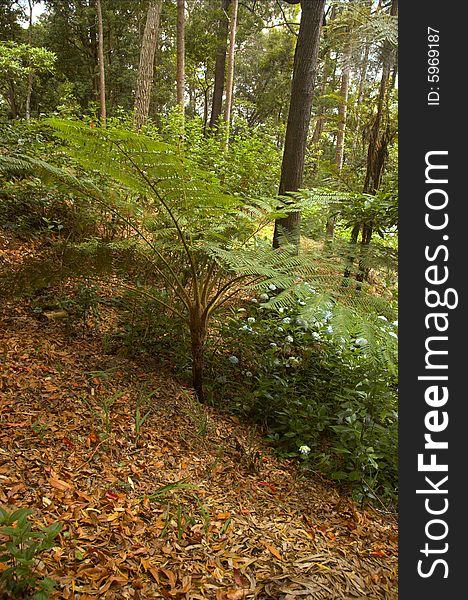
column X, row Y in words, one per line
column 106, row 406
column 40, row 428
column 139, row 418
column 198, row 415
column 19, row 549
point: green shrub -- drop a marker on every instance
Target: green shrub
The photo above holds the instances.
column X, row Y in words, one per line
column 323, row 382
column 19, row 549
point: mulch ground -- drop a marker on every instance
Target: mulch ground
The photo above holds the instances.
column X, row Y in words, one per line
column 194, row 505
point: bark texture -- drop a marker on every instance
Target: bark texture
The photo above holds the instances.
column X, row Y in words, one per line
column 146, row 66
column 302, row 91
column 180, row 52
column 230, row 68
column 220, row 65
column 102, row 78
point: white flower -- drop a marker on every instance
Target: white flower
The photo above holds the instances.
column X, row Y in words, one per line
column 301, row 302
column 248, row 374
column 254, row 300
column 234, row 360
column 382, row 317
column 272, row 287
column 273, row 345
column 301, row 322
column 316, row 336
column 395, row 323
column 304, row 450
column 251, row 320
column 246, row 328
column 393, row 334
column 289, row 339
column 264, row 297
column 327, row 314
column 280, row 329
column 286, row 320
column 329, row 329
column 361, row 341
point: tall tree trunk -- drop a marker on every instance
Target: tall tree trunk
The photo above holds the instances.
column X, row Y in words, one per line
column 360, row 93
column 220, row 65
column 230, row 69
column 30, row 74
column 341, row 130
column 180, row 53
column 343, row 107
column 102, row 78
column 378, row 146
column 146, row 66
column 302, row 91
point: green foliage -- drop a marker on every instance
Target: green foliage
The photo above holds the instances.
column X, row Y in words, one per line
column 193, row 246
column 322, row 376
column 19, row 549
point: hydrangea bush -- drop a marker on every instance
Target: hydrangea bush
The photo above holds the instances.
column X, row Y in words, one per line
column 325, row 391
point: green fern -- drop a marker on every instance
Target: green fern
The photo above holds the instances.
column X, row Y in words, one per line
column 190, row 247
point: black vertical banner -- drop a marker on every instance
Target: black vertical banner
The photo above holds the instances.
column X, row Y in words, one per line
column 433, row 248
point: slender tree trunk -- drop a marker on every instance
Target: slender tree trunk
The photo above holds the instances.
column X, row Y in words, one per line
column 343, row 107
column 146, row 66
column 302, row 90
column 12, row 100
column 220, row 65
column 30, row 74
column 230, row 69
column 102, row 78
column 360, row 93
column 181, row 53
column 341, row 131
column 378, row 147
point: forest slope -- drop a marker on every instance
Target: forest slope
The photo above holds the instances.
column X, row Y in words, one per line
column 252, row 526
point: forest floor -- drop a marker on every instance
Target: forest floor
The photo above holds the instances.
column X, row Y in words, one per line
column 238, row 522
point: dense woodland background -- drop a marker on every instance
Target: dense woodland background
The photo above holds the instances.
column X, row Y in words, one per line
column 206, row 191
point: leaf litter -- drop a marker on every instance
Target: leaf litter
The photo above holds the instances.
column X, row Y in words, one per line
column 169, row 511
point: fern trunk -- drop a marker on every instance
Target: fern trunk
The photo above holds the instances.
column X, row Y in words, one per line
column 198, row 337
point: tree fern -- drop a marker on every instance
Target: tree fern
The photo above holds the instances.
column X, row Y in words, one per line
column 186, row 236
